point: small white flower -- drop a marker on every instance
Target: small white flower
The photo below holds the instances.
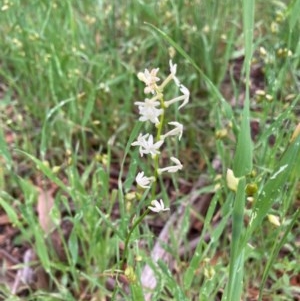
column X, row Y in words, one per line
column 143, row 181
column 158, row 206
column 172, row 75
column 150, row 79
column 148, row 110
column 147, row 147
column 185, row 97
column 186, row 93
column 173, row 168
column 173, row 70
column 176, row 131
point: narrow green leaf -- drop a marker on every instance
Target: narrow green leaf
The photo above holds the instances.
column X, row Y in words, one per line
column 173, row 286
column 131, row 174
column 276, row 248
column 198, row 254
column 243, row 157
column 4, row 152
column 47, row 172
column 293, row 10
column 41, row 247
column 73, row 246
column 237, row 257
column 11, row 212
column 88, row 108
column 287, row 170
column 137, row 292
column 45, row 133
column 110, row 224
column 134, row 133
column 248, row 22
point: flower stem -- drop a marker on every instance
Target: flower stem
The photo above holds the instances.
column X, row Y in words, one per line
column 136, row 223
column 158, row 136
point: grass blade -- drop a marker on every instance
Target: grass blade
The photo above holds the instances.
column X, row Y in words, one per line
column 4, row 150
column 275, row 251
column 242, row 166
column 287, row 169
column 243, row 156
column 236, row 263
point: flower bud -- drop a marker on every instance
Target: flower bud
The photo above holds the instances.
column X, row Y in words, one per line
column 130, row 275
column 273, row 219
column 56, row 169
column 251, row 189
column 220, row 134
column 232, row 181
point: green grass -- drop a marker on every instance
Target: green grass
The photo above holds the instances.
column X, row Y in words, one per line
column 68, row 83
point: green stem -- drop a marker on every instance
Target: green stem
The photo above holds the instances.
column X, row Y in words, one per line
column 137, row 222
column 156, row 158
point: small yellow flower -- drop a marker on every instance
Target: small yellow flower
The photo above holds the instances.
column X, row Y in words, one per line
column 130, row 196
column 222, row 133
column 263, row 51
column 56, row 169
column 274, row 27
column 130, row 275
column 209, row 272
column 5, row 7
column 269, row 97
column 206, row 29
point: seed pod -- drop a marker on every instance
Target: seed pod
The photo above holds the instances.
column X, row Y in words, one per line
column 251, row 189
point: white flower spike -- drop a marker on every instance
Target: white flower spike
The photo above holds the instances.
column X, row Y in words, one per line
column 143, row 181
column 177, row 131
column 173, row 168
column 150, row 79
column 147, row 147
column 148, row 110
column 158, row 206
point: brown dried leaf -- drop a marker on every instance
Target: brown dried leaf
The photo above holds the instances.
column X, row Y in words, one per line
column 44, row 205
